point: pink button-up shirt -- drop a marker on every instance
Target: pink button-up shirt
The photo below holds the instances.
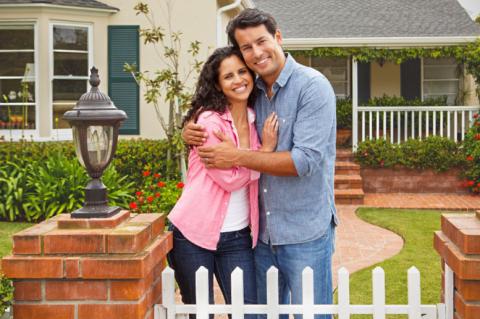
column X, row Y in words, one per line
column 201, row 210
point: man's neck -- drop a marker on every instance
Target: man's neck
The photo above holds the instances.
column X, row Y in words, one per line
column 269, row 80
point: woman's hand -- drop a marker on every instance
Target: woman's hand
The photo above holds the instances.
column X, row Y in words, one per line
column 270, row 133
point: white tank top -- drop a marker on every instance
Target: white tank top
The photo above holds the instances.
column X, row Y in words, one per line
column 238, row 211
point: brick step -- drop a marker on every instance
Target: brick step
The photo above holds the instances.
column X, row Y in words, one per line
column 346, row 168
column 348, row 182
column 349, row 196
column 344, row 155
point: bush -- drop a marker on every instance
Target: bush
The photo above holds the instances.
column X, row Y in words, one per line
column 6, row 294
column 434, row 152
column 471, row 152
column 344, row 114
column 40, row 180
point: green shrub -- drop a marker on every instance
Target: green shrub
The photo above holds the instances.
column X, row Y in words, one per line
column 344, row 113
column 434, row 152
column 6, row 294
column 471, row 152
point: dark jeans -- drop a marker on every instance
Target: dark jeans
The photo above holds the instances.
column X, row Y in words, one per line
column 234, row 249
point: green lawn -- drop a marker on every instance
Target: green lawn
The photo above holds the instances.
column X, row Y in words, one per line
column 7, row 229
column 416, row 227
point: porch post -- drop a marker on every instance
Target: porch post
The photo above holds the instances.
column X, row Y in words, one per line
column 354, row 104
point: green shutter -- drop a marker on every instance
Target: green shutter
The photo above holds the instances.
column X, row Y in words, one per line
column 123, row 47
column 410, row 77
column 363, row 82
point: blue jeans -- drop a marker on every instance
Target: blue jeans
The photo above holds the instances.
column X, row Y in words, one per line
column 234, row 249
column 290, row 260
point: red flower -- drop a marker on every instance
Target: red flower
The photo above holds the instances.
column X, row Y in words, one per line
column 477, row 136
column 156, row 175
column 157, row 195
column 133, row 205
column 478, row 185
column 180, row 185
column 139, row 193
column 382, row 162
column 469, row 158
column 150, row 199
column 161, row 184
column 475, row 115
column 141, row 199
column 146, row 173
column 470, row 183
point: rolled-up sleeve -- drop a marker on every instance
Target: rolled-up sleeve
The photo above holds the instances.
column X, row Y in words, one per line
column 315, row 117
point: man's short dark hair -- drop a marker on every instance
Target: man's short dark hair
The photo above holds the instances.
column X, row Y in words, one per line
column 250, row 18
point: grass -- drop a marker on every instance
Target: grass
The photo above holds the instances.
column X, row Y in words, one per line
column 7, row 229
column 416, row 227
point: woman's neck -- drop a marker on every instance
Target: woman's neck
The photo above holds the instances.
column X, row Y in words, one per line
column 238, row 111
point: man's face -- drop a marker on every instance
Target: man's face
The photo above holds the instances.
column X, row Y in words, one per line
column 262, row 51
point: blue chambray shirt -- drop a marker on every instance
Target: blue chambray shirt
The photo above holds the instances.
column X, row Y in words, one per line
column 297, row 209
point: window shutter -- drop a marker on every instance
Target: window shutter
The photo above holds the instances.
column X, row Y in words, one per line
column 410, row 87
column 123, row 47
column 363, row 82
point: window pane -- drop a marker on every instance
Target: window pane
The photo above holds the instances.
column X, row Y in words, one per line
column 70, row 38
column 441, row 72
column 65, row 95
column 17, row 117
column 441, row 61
column 71, row 64
column 11, row 91
column 440, row 87
column 15, row 64
column 16, row 37
column 320, row 61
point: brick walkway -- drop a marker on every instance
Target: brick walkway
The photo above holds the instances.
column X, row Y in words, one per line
column 423, row 201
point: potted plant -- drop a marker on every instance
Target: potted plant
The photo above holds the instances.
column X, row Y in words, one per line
column 344, row 121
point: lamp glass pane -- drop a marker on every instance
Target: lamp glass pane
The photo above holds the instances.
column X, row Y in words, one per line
column 77, row 142
column 99, row 145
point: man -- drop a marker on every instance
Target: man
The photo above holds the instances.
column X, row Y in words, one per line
column 297, row 212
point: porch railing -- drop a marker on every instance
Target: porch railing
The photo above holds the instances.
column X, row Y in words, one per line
column 414, row 309
column 399, row 123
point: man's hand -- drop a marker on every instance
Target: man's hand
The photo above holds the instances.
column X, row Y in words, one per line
column 194, row 134
column 222, row 155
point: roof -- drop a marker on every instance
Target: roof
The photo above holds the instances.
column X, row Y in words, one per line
column 370, row 18
column 92, row 4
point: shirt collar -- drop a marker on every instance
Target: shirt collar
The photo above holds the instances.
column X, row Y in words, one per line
column 227, row 116
column 284, row 75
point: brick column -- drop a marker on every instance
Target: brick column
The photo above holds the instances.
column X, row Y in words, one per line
column 458, row 243
column 67, row 268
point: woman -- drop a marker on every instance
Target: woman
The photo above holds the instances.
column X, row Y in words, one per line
column 215, row 221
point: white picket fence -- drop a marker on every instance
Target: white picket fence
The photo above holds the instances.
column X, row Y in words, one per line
column 378, row 309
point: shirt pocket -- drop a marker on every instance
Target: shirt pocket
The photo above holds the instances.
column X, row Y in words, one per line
column 285, row 133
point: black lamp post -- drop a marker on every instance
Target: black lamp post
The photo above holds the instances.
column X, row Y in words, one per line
column 95, row 122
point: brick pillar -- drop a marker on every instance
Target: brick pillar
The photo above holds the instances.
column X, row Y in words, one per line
column 67, row 268
column 458, row 243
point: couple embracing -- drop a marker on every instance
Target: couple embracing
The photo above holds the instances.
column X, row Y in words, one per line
column 256, row 201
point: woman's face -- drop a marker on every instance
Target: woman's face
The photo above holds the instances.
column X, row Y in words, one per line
column 234, row 79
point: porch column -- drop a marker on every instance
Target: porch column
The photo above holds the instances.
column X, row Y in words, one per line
column 354, row 104
column 458, row 244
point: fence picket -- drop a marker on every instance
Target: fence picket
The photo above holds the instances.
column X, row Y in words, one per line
column 414, row 293
column 434, row 123
column 201, row 292
column 448, row 124
column 377, row 124
column 378, row 288
column 463, row 125
column 343, row 293
column 449, row 291
column 307, row 293
column 168, row 294
column 391, row 126
column 384, row 125
column 427, row 124
column 370, row 124
column 399, row 126
column 420, row 125
column 455, row 125
column 238, row 311
column 272, row 293
column 363, row 126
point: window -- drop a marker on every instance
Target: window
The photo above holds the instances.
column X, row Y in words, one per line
column 71, row 60
column 336, row 71
column 441, row 78
column 17, row 77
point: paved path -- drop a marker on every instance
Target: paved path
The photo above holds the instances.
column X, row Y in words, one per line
column 424, row 201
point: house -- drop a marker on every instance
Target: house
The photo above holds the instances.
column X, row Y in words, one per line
column 48, row 46
column 389, row 25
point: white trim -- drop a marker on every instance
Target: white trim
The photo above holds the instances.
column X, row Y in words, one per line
column 220, row 11
column 248, row 4
column 69, row 51
column 391, row 42
column 54, row 6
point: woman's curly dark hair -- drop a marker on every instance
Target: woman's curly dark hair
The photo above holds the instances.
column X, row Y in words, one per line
column 207, row 97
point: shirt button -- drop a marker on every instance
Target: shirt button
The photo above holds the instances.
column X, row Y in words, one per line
column 268, row 213
column 264, row 190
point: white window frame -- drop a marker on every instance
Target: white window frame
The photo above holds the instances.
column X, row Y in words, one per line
column 422, row 71
column 347, row 80
column 66, row 134
column 17, row 134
